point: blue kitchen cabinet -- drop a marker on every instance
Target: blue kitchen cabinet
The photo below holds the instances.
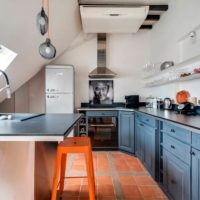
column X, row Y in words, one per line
column 126, row 131
column 149, row 148
column 195, row 174
column 145, row 141
column 139, row 139
column 176, row 177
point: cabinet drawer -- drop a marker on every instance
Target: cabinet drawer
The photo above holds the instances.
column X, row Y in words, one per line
column 101, row 113
column 196, row 140
column 179, row 149
column 177, row 132
column 149, row 120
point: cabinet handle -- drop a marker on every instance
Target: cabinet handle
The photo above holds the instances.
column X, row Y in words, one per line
column 141, row 124
column 173, row 182
column 172, row 130
column 172, row 146
column 192, row 153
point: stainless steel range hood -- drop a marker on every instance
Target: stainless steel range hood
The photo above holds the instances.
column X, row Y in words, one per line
column 101, row 71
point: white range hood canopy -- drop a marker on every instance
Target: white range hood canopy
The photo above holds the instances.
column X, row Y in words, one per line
column 108, row 19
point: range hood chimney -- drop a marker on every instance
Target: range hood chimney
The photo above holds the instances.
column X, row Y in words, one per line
column 101, row 71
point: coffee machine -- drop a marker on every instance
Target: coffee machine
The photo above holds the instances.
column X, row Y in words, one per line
column 132, row 101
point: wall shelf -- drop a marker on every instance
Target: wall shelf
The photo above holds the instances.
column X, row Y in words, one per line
column 163, row 82
column 172, row 74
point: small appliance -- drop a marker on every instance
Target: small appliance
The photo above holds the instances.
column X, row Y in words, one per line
column 167, row 104
column 132, row 101
column 186, row 108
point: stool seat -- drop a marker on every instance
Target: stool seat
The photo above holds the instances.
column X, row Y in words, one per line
column 73, row 145
column 75, row 142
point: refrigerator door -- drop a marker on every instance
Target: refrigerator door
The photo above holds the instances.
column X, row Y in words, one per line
column 59, row 80
column 59, row 103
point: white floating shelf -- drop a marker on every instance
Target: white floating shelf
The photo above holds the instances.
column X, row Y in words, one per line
column 194, row 62
column 163, row 82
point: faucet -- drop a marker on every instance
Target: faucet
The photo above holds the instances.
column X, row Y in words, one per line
column 7, row 86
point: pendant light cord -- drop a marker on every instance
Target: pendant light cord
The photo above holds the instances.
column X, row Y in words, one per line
column 48, row 14
column 42, row 1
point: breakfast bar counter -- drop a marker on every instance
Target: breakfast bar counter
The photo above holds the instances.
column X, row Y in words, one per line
column 28, row 151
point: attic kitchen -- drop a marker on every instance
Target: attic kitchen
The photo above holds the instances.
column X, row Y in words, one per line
column 120, row 77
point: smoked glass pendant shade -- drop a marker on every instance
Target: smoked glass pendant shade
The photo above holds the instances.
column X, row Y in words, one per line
column 42, row 22
column 47, row 50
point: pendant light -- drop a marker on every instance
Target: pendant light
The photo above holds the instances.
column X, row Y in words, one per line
column 46, row 49
column 42, row 20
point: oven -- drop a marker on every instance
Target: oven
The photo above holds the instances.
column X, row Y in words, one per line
column 103, row 129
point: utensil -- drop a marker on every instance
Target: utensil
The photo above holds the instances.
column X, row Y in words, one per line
column 166, row 65
column 46, row 49
column 42, row 20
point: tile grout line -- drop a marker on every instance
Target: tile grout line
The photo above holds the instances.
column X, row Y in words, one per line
column 115, row 178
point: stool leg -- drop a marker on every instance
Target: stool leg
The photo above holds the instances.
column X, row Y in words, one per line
column 62, row 172
column 92, row 165
column 56, row 176
column 90, row 178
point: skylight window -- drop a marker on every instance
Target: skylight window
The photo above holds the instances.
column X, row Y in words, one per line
column 6, row 57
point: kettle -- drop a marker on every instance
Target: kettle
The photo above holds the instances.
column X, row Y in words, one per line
column 167, row 104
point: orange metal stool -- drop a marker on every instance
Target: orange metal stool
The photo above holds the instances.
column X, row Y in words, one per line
column 73, row 145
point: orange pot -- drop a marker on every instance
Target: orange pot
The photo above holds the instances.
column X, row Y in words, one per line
column 182, row 96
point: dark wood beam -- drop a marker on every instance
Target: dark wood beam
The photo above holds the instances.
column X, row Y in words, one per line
column 158, row 7
column 146, row 27
column 153, row 17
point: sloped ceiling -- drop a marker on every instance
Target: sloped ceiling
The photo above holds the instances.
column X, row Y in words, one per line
column 19, row 33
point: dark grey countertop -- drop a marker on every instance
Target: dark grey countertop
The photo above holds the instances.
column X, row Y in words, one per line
column 189, row 121
column 192, row 121
column 44, row 125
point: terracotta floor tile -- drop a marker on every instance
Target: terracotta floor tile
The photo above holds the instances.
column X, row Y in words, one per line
column 102, row 163
column 72, row 190
column 137, row 168
column 127, row 180
column 104, row 180
column 131, row 191
column 150, row 192
column 106, row 198
column 128, row 173
column 144, row 180
column 105, row 190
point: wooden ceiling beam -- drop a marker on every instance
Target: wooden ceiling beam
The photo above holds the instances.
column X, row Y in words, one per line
column 153, row 17
column 146, row 27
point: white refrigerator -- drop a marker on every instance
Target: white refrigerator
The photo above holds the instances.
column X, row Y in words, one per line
column 59, row 88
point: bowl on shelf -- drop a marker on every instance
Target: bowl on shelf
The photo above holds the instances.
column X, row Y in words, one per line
column 166, row 65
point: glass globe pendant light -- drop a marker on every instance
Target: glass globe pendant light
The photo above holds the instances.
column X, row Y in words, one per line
column 46, row 49
column 42, row 20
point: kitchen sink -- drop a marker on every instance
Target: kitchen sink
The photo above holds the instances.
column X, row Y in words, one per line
column 18, row 116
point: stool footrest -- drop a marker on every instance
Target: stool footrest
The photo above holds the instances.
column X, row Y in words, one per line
column 76, row 177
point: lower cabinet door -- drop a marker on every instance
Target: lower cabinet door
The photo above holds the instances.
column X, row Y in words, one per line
column 126, row 131
column 139, row 140
column 149, row 149
column 176, row 177
column 195, row 174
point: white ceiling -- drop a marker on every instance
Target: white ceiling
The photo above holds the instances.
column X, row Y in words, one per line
column 136, row 2
column 19, row 33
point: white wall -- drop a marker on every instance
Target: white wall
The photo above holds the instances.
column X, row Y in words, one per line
column 126, row 53
column 20, row 34
column 181, row 18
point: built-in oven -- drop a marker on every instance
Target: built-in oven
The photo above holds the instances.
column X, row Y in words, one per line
column 103, row 129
